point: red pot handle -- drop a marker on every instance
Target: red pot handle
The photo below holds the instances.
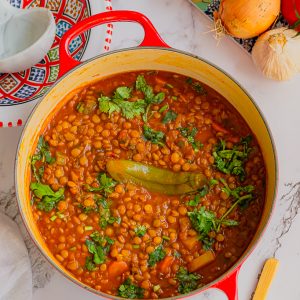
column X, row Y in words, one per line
column 151, row 38
column 229, row 285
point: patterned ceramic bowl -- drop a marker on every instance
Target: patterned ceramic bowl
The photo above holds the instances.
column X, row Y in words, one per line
column 18, row 90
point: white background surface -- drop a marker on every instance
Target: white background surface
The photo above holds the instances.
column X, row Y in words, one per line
column 183, row 27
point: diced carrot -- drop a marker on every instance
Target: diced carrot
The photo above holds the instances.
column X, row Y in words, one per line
column 184, row 99
column 165, row 264
column 117, row 268
column 184, row 224
column 201, row 261
column 160, row 81
column 233, row 139
column 219, row 128
column 191, row 242
column 204, row 135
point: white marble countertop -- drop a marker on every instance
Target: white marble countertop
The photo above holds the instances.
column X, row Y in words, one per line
column 183, row 27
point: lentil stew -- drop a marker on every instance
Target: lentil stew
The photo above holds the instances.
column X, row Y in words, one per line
column 114, row 234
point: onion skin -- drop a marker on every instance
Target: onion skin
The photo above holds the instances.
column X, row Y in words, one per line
column 247, row 18
column 276, row 53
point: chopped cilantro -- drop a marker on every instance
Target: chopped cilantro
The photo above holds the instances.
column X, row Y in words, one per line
column 155, row 137
column 169, row 117
column 213, row 182
column 98, row 246
column 204, row 221
column 140, row 230
column 196, row 85
column 88, row 209
column 105, row 215
column 106, row 184
column 80, row 107
column 189, row 80
column 130, row 291
column 89, row 264
column 99, row 256
column 141, row 85
column 86, row 107
column 156, row 288
column 157, row 255
column 120, row 103
column 122, row 93
column 195, row 201
column 187, row 281
column 106, row 219
column 53, row 218
column 48, row 198
column 42, row 154
column 57, row 215
column 190, row 134
column 106, row 105
column 176, row 254
column 231, row 161
column 163, row 108
column 150, row 97
column 242, row 196
column 201, row 193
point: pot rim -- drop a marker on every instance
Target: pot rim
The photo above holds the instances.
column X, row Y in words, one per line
column 237, row 265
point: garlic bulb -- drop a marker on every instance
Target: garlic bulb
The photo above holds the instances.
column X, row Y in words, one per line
column 277, row 53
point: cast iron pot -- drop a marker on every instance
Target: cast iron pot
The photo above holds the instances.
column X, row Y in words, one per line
column 152, row 54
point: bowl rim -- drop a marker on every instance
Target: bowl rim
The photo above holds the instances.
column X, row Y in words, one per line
column 48, row 34
column 237, row 265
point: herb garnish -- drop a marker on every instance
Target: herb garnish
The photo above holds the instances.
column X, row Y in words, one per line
column 205, row 221
column 44, row 155
column 190, row 134
column 197, row 86
column 130, row 291
column 95, row 208
column 242, row 196
column 105, row 215
column 155, row 137
column 187, row 281
column 150, row 97
column 86, row 107
column 231, row 161
column 99, row 246
column 140, row 230
column 176, row 254
column 201, row 193
column 163, row 108
column 157, row 255
column 48, row 198
column 119, row 103
column 169, row 117
column 106, row 184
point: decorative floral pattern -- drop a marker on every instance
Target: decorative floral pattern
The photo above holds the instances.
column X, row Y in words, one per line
column 28, row 85
column 12, row 113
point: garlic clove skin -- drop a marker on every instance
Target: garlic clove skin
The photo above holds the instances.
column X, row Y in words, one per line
column 276, row 53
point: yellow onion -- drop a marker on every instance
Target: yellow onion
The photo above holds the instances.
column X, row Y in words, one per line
column 246, row 18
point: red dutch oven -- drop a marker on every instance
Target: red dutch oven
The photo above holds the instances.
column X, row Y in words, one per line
column 152, row 54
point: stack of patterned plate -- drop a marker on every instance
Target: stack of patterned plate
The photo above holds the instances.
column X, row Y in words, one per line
column 19, row 92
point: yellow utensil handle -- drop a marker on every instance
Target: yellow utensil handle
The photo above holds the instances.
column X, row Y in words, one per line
column 265, row 279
